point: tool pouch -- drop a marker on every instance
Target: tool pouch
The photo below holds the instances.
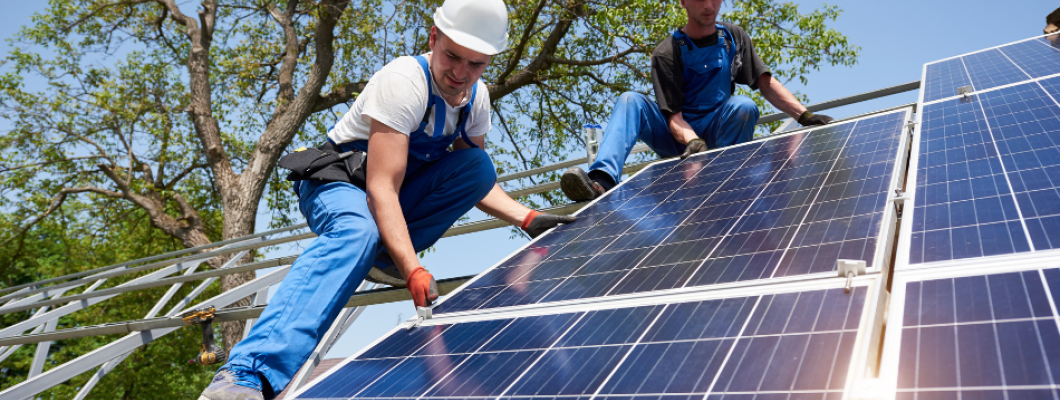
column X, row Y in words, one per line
column 326, row 164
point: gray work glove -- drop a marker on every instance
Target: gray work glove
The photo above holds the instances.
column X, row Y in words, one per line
column 810, row 119
column 694, row 146
column 538, row 222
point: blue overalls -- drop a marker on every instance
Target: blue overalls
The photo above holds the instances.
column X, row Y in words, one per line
column 716, row 116
column 439, row 187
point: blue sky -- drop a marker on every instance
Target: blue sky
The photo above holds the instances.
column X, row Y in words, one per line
column 896, row 38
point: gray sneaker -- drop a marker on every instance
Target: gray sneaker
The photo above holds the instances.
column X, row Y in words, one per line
column 224, row 387
column 576, row 184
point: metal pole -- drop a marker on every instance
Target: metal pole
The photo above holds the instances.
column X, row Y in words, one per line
column 109, row 365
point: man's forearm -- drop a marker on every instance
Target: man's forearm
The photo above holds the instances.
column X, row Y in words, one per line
column 500, row 205
column 779, row 96
column 390, row 220
column 680, row 129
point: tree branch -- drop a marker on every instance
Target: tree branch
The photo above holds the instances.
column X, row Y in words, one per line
column 540, row 62
column 589, row 63
column 517, row 53
column 338, row 96
column 50, row 162
column 290, row 60
column 182, row 174
column 57, row 201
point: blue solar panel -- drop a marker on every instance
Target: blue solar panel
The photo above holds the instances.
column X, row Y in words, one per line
column 769, row 344
column 782, row 207
column 1014, row 63
column 963, row 205
column 942, row 79
column 1037, row 57
column 988, row 175
column 991, row 68
column 986, row 336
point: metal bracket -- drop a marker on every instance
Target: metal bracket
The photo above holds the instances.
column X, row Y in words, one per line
column 899, row 198
column 592, row 141
column 964, row 91
column 849, row 269
column 899, row 202
column 911, row 125
column 422, row 314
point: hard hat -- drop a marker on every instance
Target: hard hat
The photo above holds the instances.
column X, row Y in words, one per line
column 480, row 25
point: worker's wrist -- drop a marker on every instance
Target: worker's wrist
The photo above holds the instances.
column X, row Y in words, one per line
column 529, row 218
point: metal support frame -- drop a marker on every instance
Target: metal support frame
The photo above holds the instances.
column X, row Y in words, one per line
column 130, row 342
column 44, row 294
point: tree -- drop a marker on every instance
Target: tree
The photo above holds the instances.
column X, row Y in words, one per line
column 154, row 108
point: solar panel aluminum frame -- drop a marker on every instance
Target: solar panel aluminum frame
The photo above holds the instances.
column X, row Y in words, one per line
column 924, row 79
column 884, row 238
column 861, row 366
column 889, row 361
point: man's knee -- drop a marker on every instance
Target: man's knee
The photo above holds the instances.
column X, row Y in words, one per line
column 478, row 168
column 744, row 108
column 631, row 99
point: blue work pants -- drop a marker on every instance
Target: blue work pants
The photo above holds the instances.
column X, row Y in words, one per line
column 635, row 116
column 326, row 274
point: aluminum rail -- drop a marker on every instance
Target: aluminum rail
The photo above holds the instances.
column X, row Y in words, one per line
column 905, row 87
column 365, row 298
column 844, row 101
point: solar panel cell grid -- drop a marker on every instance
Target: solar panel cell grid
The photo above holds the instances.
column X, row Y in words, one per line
column 991, row 68
column 783, row 207
column 728, row 347
column 942, row 79
column 1037, row 57
column 994, row 336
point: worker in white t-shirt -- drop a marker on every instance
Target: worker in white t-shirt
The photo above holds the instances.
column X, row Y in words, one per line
column 408, row 116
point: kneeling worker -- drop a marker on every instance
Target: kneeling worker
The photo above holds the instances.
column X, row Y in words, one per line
column 406, row 118
column 694, row 73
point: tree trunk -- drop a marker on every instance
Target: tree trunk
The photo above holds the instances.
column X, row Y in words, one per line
column 240, row 217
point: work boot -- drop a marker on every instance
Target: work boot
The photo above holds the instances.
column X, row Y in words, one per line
column 577, row 185
column 224, row 387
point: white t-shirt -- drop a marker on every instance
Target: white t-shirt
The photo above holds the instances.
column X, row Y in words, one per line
column 396, row 95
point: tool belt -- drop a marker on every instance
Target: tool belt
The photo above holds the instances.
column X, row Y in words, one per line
column 326, row 164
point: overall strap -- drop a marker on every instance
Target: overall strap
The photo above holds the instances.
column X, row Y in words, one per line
column 730, row 43
column 464, row 114
column 435, row 102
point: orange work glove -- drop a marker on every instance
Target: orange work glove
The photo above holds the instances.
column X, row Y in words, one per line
column 422, row 286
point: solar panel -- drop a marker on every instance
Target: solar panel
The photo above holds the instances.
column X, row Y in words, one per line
column 720, row 344
column 987, row 170
column 942, row 79
column 975, row 332
column 785, row 207
column 990, row 68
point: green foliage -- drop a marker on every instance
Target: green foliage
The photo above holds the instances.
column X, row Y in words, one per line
column 56, row 247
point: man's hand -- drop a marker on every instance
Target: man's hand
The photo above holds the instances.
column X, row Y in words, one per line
column 694, row 146
column 810, row 119
column 422, row 286
column 537, row 222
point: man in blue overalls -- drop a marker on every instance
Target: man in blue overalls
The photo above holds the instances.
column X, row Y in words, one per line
column 409, row 114
column 694, row 74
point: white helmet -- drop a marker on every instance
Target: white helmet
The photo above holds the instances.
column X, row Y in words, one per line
column 480, row 25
